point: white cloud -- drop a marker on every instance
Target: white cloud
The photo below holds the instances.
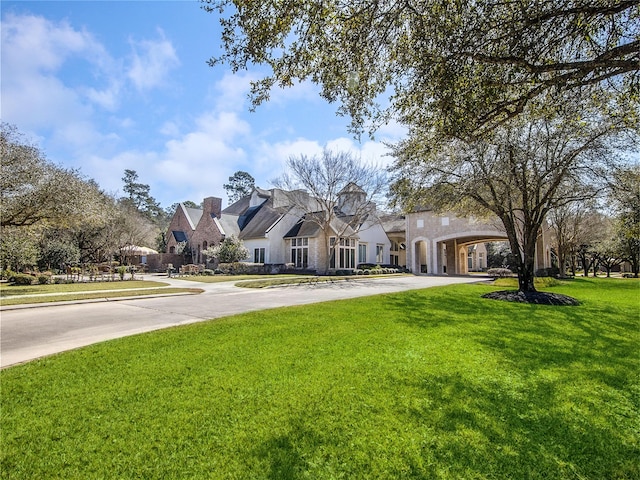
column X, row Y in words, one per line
column 230, row 92
column 151, row 62
column 191, row 166
column 33, row 50
column 33, row 44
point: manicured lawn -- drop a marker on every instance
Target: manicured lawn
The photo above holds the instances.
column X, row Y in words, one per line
column 289, row 280
column 437, row 383
column 6, row 290
column 26, row 294
column 97, row 294
column 229, row 278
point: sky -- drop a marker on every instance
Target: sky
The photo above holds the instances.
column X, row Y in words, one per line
column 104, row 86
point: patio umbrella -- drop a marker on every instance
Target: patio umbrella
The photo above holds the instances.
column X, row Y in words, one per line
column 136, row 250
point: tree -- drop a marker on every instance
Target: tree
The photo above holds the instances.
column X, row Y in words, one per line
column 35, row 191
column 457, row 67
column 57, row 249
column 519, row 173
column 570, row 226
column 240, row 185
column 593, row 232
column 18, row 248
column 499, row 255
column 230, row 250
column 610, row 253
column 139, row 196
column 336, row 191
column 130, row 227
column 625, row 193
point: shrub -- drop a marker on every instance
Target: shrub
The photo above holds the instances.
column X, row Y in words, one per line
column 548, row 272
column 8, row 274
column 208, row 272
column 122, row 270
column 22, row 279
column 235, row 268
column 44, row 278
column 499, row 272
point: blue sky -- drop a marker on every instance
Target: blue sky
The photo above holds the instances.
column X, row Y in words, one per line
column 108, row 85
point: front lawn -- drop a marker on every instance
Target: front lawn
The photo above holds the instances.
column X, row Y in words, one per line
column 435, row 383
column 10, row 290
column 28, row 294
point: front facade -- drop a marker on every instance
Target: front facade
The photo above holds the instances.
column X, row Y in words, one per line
column 288, row 229
column 279, row 231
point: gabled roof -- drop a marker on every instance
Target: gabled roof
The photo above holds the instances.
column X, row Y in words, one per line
column 393, row 223
column 193, row 215
column 310, row 228
column 238, row 207
column 258, row 220
column 304, row 228
column 351, row 187
column 228, row 225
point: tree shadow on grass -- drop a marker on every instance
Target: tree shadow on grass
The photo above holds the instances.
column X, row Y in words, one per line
column 502, row 430
column 557, row 402
column 283, row 457
column 296, row 450
column 428, row 310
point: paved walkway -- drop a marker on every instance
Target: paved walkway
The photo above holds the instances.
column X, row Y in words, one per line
column 40, row 330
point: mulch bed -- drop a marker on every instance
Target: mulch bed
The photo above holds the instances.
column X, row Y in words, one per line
column 538, row 298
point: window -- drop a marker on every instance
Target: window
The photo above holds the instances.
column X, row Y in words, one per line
column 362, row 253
column 300, row 252
column 395, row 246
column 379, row 253
column 258, row 255
column 420, row 223
column 346, row 251
column 172, row 249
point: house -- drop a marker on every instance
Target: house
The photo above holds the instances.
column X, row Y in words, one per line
column 286, row 227
column 198, row 228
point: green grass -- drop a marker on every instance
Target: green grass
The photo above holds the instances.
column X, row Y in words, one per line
column 98, row 294
column 226, row 278
column 27, row 294
column 437, row 383
column 7, row 290
column 274, row 282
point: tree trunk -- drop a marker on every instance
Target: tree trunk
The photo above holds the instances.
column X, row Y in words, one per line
column 561, row 262
column 526, row 277
column 524, row 250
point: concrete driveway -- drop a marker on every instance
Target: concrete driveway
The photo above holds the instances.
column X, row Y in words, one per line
column 29, row 333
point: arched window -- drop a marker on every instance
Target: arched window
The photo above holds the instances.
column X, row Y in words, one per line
column 172, row 249
column 204, row 245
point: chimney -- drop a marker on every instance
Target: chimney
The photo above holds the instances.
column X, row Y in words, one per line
column 212, row 205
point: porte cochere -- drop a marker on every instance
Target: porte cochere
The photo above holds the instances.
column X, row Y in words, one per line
column 441, row 244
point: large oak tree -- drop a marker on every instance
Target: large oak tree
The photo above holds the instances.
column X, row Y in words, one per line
column 35, row 191
column 519, row 173
column 460, row 67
